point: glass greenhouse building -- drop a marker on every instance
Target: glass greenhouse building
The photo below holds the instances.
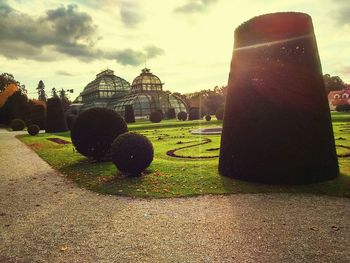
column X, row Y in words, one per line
column 145, row 94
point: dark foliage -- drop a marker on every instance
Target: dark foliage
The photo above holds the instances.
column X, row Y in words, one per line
column 207, row 117
column 132, row 153
column 182, row 116
column 38, row 115
column 195, row 114
column 55, row 120
column 171, row 113
column 219, row 114
column 70, row 119
column 94, row 131
column 161, row 112
column 342, row 107
column 33, row 129
column 17, row 125
column 271, row 131
column 155, row 116
column 16, row 107
column 129, row 114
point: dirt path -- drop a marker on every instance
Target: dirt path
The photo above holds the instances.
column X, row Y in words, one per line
column 45, row 218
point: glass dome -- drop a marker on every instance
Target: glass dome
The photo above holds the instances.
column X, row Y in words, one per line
column 104, row 87
column 146, row 81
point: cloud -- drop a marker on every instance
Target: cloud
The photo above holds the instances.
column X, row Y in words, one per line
column 135, row 57
column 130, row 14
column 64, row 73
column 194, row 6
column 341, row 15
column 64, row 30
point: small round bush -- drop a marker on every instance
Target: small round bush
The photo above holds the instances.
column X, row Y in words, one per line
column 207, row 117
column 132, row 153
column 219, row 114
column 195, row 114
column 182, row 116
column 17, row 125
column 155, row 116
column 33, row 129
column 94, row 131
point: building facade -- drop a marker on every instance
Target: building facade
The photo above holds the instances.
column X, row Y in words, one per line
column 145, row 94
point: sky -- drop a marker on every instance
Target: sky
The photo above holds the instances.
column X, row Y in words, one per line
column 188, row 44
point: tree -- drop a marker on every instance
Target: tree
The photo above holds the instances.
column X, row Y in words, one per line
column 16, row 106
column 6, row 79
column 41, row 91
column 54, row 93
column 333, row 83
column 64, row 99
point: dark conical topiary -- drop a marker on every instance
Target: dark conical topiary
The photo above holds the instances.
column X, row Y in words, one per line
column 129, row 115
column 182, row 116
column 38, row 115
column 70, row 119
column 194, row 114
column 94, row 131
column 219, row 114
column 132, row 153
column 55, row 120
column 17, row 125
column 277, row 126
column 33, row 129
column 171, row 113
column 155, row 116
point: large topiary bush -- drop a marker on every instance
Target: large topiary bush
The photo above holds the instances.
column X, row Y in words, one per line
column 132, row 153
column 155, row 116
column 17, row 125
column 38, row 115
column 277, row 126
column 182, row 116
column 129, row 114
column 55, row 120
column 171, row 113
column 94, row 131
column 219, row 114
column 194, row 114
column 33, row 129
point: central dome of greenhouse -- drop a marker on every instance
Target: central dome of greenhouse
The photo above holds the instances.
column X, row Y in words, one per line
column 145, row 95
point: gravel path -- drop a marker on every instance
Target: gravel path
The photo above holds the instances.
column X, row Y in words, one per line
column 46, row 218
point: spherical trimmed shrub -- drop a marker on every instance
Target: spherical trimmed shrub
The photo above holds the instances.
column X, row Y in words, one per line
column 17, row 125
column 33, row 129
column 155, row 116
column 171, row 113
column 132, row 153
column 207, row 117
column 219, row 114
column 129, row 114
column 182, row 116
column 55, row 120
column 195, row 114
column 94, row 131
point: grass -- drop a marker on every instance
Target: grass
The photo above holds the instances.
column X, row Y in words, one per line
column 175, row 177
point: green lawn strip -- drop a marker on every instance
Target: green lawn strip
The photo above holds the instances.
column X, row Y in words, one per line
column 175, row 177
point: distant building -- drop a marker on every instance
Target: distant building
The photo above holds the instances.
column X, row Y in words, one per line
column 145, row 94
column 338, row 97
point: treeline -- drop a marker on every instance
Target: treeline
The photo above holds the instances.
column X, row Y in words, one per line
column 14, row 102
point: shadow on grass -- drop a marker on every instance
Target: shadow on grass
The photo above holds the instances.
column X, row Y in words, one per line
column 339, row 187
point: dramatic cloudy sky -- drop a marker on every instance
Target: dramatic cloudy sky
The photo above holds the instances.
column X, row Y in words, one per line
column 187, row 43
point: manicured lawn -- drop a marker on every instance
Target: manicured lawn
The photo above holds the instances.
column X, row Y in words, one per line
column 168, row 176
